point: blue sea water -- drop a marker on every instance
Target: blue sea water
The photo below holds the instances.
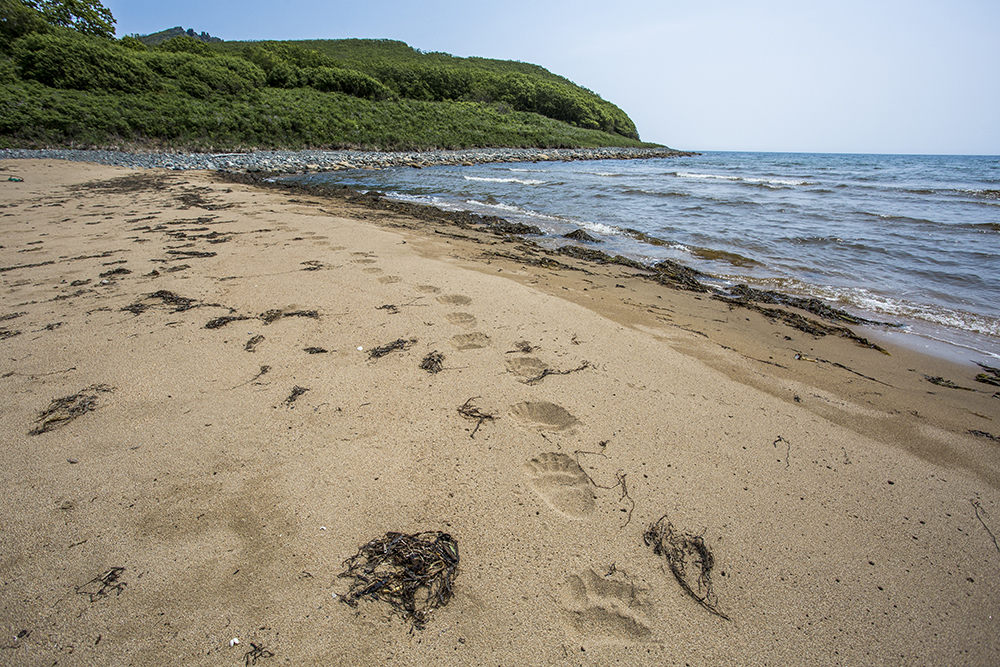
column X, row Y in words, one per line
column 903, row 238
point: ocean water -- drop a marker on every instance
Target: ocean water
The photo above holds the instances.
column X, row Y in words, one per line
column 907, row 239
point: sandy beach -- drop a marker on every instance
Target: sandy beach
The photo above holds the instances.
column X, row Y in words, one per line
column 215, row 394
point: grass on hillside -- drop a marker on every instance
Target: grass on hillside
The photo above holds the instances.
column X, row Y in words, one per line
column 33, row 116
column 59, row 87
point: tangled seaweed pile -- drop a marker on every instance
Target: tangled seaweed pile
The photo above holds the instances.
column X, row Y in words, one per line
column 411, row 573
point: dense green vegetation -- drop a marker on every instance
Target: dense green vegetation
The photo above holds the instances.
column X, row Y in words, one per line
column 65, row 81
column 158, row 38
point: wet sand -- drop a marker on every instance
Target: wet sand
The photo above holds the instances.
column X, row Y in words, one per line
column 196, row 435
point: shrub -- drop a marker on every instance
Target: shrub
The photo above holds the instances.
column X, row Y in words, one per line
column 132, row 42
column 8, row 71
column 204, row 77
column 356, row 84
column 18, row 20
column 66, row 60
column 185, row 44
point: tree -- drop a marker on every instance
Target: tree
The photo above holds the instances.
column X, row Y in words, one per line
column 89, row 17
column 17, row 19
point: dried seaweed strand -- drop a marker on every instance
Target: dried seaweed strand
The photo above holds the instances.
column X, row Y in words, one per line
column 104, row 585
column 256, row 652
column 976, row 506
column 620, row 476
column 469, row 412
column 551, row 371
column 681, row 551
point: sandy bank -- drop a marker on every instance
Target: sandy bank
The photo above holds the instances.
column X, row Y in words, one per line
column 203, row 483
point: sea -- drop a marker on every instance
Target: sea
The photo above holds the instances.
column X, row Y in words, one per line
column 908, row 239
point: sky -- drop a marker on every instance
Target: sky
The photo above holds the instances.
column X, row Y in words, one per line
column 844, row 76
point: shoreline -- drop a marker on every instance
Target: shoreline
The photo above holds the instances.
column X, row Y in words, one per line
column 890, row 331
column 228, row 437
column 306, row 161
column 260, row 166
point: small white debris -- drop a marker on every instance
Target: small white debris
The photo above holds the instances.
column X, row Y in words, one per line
column 233, row 642
column 322, row 527
column 360, row 349
column 334, row 596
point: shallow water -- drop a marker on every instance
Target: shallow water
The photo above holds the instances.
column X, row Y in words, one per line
column 911, row 239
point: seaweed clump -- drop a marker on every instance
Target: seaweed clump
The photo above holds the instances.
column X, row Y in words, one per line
column 433, row 362
column 272, row 316
column 220, row 322
column 810, row 305
column 167, row 298
column 580, row 235
column 690, row 562
column 414, row 574
column 991, row 376
column 398, row 344
column 62, row 411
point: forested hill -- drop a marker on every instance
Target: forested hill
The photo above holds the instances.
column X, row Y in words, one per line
column 162, row 36
column 411, row 74
column 65, row 83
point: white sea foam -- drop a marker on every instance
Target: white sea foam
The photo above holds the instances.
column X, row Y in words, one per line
column 865, row 301
column 510, row 208
column 414, row 199
column 522, row 181
column 600, row 228
column 769, row 182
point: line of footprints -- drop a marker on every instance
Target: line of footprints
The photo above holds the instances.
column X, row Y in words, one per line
column 608, row 609
column 602, row 609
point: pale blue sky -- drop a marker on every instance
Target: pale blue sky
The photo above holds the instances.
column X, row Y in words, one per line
column 862, row 76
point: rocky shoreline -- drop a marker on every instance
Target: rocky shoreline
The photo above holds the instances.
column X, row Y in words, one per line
column 318, row 161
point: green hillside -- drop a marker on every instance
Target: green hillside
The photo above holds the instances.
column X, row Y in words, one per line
column 159, row 37
column 66, row 82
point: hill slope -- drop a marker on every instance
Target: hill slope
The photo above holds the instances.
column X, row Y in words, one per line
column 162, row 36
column 439, row 77
column 60, row 87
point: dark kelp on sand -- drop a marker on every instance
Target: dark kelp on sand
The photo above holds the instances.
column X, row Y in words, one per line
column 62, row 411
column 689, row 560
column 413, row 574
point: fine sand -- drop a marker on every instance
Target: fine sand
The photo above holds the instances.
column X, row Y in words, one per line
column 169, row 486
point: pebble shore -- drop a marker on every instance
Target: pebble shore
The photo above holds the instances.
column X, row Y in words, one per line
column 314, row 160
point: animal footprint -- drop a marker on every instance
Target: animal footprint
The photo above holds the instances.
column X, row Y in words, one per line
column 605, row 610
column 470, row 341
column 389, row 280
column 428, row 289
column 467, row 320
column 544, row 416
column 562, row 484
column 528, row 367
column 455, row 299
